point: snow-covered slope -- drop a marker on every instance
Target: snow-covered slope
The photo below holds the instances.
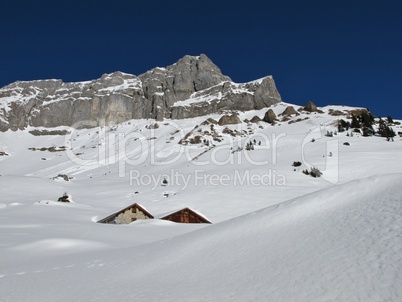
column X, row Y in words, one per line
column 339, row 244
column 277, row 234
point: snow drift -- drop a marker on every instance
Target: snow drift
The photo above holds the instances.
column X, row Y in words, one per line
column 338, row 244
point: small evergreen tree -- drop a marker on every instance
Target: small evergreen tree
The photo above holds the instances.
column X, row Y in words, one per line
column 355, row 122
column 367, row 131
column 367, row 119
column 315, row 172
column 343, row 125
column 384, row 130
column 249, row 146
column 340, row 128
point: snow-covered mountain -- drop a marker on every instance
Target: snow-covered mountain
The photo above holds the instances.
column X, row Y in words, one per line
column 277, row 233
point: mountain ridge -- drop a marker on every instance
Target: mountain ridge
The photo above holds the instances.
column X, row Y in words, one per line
column 117, row 97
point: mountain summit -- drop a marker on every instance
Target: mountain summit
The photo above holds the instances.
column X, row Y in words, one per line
column 193, row 86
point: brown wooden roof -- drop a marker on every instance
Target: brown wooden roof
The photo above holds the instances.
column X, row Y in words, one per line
column 186, row 215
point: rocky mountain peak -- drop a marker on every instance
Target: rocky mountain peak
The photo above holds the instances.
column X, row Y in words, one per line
column 193, row 86
column 199, row 63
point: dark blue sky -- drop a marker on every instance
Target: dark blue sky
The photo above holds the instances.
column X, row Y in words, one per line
column 329, row 52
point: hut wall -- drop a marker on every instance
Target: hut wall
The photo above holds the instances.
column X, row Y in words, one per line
column 130, row 215
column 184, row 217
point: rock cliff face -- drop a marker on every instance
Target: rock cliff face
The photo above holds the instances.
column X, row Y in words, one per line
column 194, row 86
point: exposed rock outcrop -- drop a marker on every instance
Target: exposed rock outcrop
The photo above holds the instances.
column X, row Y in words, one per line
column 37, row 132
column 65, row 178
column 311, row 107
column 290, row 110
column 229, row 120
column 255, row 119
column 194, row 86
column 270, row 116
column 228, row 96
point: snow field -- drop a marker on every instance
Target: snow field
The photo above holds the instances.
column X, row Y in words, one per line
column 278, row 235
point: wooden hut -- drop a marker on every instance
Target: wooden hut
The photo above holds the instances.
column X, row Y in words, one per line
column 186, row 215
column 128, row 215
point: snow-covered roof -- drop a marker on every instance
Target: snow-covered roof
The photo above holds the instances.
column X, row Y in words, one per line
column 202, row 216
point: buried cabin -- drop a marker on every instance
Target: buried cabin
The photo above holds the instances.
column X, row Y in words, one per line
column 128, row 215
column 186, row 215
column 136, row 211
